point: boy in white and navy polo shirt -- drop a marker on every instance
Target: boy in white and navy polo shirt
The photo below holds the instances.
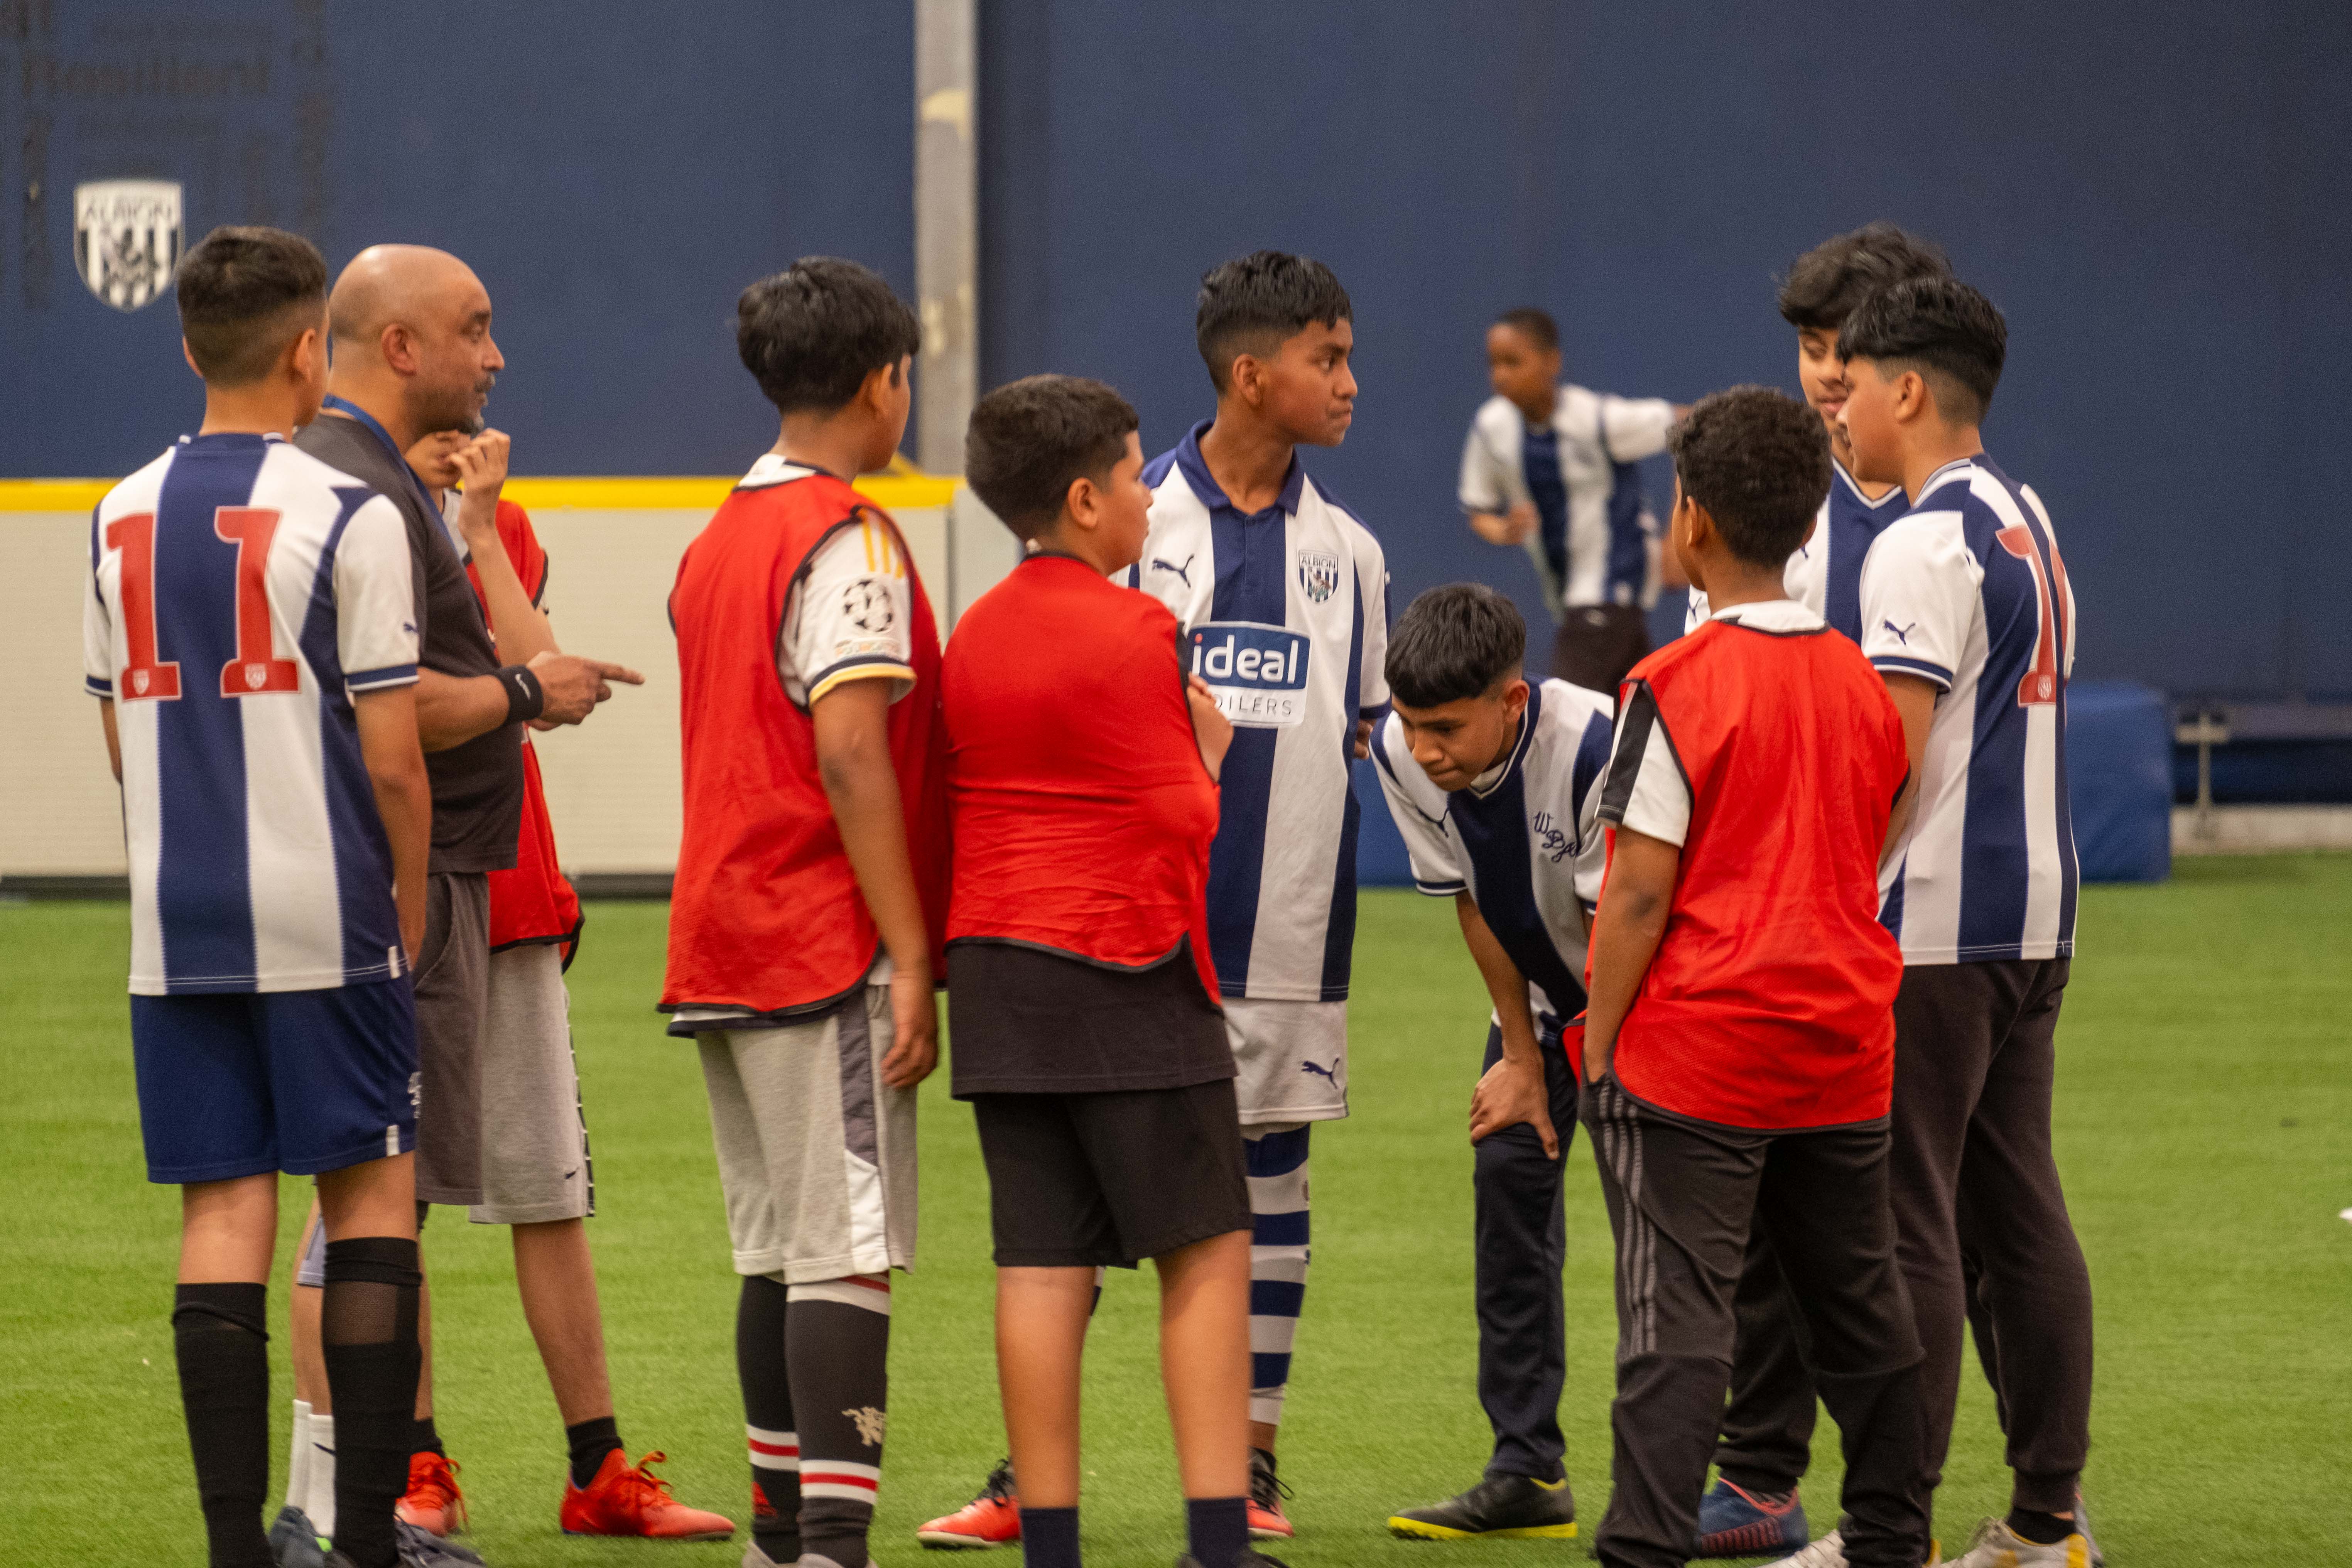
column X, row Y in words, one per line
column 1495, row 787
column 249, row 631
column 1554, row 466
column 1968, row 615
column 1283, row 596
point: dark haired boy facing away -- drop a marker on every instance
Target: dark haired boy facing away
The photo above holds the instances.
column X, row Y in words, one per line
column 1739, row 1042
column 1495, row 786
column 804, row 937
column 1082, row 785
column 1549, row 465
column 247, row 632
column 1968, row 616
column 1768, row 1424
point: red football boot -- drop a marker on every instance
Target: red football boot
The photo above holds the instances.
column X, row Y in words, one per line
column 630, row 1499
column 991, row 1519
column 432, row 1501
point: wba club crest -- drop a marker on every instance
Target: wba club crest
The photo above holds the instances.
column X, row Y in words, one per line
column 1318, row 574
column 127, row 239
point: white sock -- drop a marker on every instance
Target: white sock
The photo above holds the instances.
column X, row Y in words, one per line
column 323, row 1475
column 298, row 1457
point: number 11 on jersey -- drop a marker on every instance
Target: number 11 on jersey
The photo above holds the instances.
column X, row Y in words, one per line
column 256, row 669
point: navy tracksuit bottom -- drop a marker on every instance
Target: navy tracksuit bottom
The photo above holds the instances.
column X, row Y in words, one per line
column 1522, row 1245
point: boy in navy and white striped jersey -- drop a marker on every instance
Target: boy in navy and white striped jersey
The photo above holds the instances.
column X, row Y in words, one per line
column 1822, row 288
column 1968, row 615
column 1495, row 786
column 1282, row 594
column 248, row 631
column 1551, row 466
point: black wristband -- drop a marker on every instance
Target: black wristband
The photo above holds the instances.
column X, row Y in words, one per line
column 526, row 698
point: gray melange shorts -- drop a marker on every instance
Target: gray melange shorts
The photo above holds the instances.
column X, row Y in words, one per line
column 816, row 1155
column 452, row 977
column 535, row 1164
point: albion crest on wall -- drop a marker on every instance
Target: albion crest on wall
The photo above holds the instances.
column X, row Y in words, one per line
column 127, row 239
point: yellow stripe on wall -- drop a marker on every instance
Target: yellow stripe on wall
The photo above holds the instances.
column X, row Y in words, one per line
column 649, row 494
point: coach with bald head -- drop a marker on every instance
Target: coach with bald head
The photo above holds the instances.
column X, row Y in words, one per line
column 413, row 355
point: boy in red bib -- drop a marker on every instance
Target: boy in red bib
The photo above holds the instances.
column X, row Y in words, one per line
column 1741, row 1036
column 803, row 930
column 1082, row 785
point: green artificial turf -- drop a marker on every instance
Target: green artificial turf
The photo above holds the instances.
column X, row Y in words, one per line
column 2204, row 1123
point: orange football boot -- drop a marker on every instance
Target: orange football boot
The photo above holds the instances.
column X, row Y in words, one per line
column 630, row 1499
column 991, row 1519
column 1266, row 1519
column 432, row 1501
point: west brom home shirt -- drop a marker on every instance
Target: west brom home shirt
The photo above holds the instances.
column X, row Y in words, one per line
column 241, row 593
column 1285, row 615
column 1524, row 840
column 1968, row 591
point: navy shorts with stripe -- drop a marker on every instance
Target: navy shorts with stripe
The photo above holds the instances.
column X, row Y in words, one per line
column 299, row 1082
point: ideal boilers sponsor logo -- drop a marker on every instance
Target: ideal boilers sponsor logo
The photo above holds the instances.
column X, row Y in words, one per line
column 127, row 239
column 1256, row 672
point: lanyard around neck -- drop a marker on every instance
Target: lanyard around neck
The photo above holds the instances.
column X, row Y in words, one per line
column 362, row 417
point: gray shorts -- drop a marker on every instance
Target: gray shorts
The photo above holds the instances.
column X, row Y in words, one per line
column 453, row 978
column 816, row 1155
column 1290, row 1061
column 535, row 1163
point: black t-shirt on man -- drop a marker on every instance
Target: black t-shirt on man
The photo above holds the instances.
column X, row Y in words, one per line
column 477, row 788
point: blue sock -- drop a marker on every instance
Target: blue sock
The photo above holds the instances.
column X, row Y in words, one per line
column 1217, row 1530
column 1049, row 1538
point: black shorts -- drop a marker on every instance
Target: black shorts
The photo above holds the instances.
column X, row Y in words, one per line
column 1079, row 1180
column 1030, row 1020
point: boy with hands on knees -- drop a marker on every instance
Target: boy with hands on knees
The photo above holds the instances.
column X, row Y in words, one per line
column 1495, row 786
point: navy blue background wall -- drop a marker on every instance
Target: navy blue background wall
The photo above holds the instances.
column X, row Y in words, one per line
column 2155, row 194
column 616, row 172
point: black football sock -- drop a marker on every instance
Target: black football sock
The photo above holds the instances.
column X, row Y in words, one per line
column 768, row 1432
column 222, row 1350
column 424, row 1437
column 1049, row 1538
column 838, row 1348
column 2041, row 1529
column 590, row 1441
column 1217, row 1529
column 367, row 1331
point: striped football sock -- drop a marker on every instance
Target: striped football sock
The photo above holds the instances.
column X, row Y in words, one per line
column 1278, row 1254
column 837, row 1341
column 768, row 1435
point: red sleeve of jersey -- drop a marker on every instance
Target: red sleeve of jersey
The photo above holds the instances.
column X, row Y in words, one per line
column 523, row 548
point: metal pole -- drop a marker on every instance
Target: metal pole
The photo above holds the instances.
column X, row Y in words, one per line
column 947, row 217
